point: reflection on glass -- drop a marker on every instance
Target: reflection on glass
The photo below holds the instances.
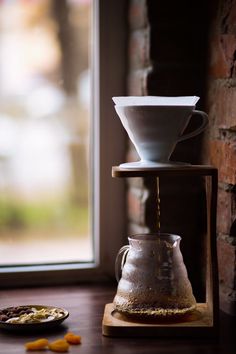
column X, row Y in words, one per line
column 44, row 131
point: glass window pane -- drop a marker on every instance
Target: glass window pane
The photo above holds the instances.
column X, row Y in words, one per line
column 44, row 132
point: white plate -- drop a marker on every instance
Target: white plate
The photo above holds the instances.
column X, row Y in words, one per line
column 35, row 325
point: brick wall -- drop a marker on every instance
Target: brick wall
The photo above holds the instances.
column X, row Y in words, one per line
column 189, row 50
column 220, row 142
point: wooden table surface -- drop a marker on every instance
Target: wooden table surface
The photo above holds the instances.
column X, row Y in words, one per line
column 86, row 306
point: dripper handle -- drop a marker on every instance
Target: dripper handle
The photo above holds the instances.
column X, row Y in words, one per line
column 199, row 129
column 120, row 261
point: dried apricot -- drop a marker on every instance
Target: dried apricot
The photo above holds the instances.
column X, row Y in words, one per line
column 59, row 345
column 41, row 343
column 72, row 338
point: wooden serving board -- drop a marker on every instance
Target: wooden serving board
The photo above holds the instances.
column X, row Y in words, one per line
column 197, row 324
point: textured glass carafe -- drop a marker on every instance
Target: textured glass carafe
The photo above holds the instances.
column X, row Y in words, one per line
column 154, row 279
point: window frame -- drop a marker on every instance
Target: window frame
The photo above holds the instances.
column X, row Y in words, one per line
column 108, row 149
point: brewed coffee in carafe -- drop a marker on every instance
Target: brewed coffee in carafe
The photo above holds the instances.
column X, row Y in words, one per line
column 154, row 279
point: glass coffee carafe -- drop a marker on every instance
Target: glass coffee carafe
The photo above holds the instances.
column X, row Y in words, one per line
column 154, row 280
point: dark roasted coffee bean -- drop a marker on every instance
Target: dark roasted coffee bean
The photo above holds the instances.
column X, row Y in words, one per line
column 5, row 311
column 18, row 309
column 28, row 311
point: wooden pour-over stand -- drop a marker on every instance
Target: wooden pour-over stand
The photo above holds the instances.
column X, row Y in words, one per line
column 204, row 320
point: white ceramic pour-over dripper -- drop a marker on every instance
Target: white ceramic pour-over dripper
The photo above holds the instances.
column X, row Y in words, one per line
column 155, row 125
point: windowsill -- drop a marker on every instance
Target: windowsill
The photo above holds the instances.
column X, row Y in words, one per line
column 86, row 306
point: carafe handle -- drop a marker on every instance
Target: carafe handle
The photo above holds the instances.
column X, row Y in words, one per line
column 199, row 129
column 120, row 261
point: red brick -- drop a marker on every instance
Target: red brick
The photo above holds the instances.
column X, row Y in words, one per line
column 233, row 225
column 222, row 48
column 139, row 49
column 136, row 200
column 221, row 106
column 137, row 82
column 132, row 154
column 228, row 300
column 224, row 211
column 219, row 67
column 135, row 182
column 134, row 229
column 227, row 263
column 230, row 18
column 228, row 44
column 223, row 156
column 138, row 14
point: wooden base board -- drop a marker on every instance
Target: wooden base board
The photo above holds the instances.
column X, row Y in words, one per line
column 198, row 324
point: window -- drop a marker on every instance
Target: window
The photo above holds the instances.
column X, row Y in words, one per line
column 63, row 187
column 44, row 122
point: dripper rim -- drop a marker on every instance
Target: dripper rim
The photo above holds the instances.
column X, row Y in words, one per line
column 130, row 100
column 154, row 105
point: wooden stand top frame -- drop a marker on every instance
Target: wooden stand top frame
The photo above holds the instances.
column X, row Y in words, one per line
column 207, row 325
column 185, row 170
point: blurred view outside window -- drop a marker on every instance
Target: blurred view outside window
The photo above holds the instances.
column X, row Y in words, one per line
column 44, row 132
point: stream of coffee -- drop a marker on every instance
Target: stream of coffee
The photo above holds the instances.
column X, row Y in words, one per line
column 158, row 207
